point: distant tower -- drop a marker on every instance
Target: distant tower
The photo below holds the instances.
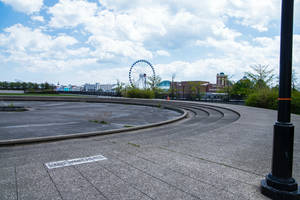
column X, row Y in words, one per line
column 222, row 80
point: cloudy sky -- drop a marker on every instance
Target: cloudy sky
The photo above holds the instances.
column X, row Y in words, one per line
column 80, row 41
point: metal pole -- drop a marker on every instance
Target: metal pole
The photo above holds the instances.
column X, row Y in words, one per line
column 279, row 184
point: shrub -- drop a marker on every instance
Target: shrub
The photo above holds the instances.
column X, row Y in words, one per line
column 267, row 98
column 295, row 104
column 140, row 93
column 264, row 98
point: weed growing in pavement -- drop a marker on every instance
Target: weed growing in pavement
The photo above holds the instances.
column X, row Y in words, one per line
column 135, row 145
column 99, row 122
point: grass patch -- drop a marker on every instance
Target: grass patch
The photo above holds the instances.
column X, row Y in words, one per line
column 103, row 122
column 98, row 122
column 11, row 105
column 135, row 145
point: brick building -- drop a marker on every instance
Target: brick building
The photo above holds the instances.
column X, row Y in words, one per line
column 194, row 89
column 188, row 89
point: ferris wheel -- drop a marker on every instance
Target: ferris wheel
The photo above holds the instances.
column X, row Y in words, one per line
column 140, row 73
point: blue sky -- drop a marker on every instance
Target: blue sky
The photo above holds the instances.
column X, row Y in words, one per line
column 81, row 41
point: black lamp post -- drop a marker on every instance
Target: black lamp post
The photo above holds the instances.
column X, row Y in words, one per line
column 279, row 184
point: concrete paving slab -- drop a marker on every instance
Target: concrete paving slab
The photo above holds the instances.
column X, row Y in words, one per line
column 154, row 187
column 72, row 185
column 8, row 186
column 34, row 182
column 177, row 161
column 109, row 184
column 201, row 186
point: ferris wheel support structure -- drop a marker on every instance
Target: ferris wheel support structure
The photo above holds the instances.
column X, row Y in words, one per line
column 140, row 73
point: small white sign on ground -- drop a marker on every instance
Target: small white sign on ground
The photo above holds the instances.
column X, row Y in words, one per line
column 76, row 161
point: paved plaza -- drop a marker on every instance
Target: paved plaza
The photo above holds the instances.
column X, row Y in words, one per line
column 62, row 118
column 218, row 152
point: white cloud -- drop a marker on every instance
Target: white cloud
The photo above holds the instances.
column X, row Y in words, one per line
column 70, row 13
column 37, row 51
column 202, row 69
column 253, row 13
column 26, row 6
column 261, row 50
column 19, row 37
column 197, row 38
column 119, row 48
column 162, row 53
column 37, row 18
column 108, row 75
column 237, row 57
column 35, row 64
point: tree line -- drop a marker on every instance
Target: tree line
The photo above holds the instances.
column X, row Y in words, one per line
column 259, row 88
column 26, row 86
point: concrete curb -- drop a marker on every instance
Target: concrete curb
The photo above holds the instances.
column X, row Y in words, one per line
column 86, row 134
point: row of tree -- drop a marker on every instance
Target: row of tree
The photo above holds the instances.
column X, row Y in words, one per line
column 260, row 79
column 257, row 90
column 26, row 86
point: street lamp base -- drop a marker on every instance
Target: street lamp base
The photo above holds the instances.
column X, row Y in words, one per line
column 278, row 194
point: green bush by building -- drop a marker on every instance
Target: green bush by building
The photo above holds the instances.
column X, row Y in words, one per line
column 268, row 98
column 139, row 93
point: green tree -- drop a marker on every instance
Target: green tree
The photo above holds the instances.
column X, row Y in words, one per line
column 5, row 85
column 35, row 86
column 30, row 85
column 262, row 76
column 24, row 86
column 119, row 88
column 12, row 85
column 172, row 88
column 242, row 88
column 195, row 88
column 42, row 86
column 2, row 85
column 47, row 86
column 18, row 85
column 294, row 79
column 154, row 82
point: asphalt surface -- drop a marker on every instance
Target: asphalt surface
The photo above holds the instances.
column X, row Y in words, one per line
column 215, row 153
column 62, row 118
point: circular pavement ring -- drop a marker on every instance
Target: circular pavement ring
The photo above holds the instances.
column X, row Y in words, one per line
column 94, row 133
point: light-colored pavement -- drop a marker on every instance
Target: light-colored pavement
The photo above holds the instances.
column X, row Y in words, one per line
column 213, row 154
